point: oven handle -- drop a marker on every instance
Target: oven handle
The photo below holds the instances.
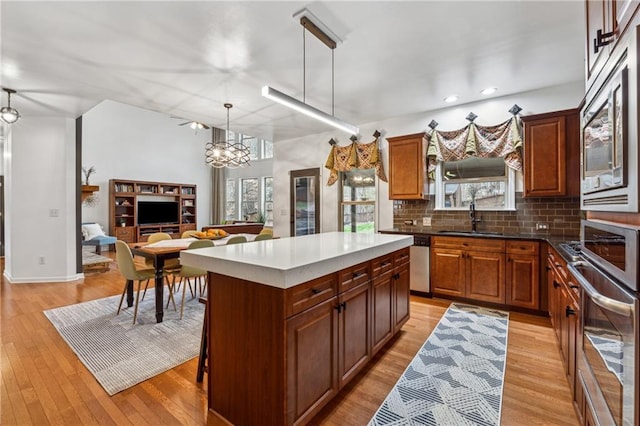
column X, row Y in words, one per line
column 604, row 302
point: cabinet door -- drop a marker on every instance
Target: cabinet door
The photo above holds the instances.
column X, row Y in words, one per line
column 572, row 314
column 485, row 276
column 312, row 353
column 555, row 302
column 447, row 272
column 545, row 160
column 382, row 310
column 125, row 233
column 407, row 168
column 523, row 281
column 354, row 331
column 401, row 296
column 598, row 18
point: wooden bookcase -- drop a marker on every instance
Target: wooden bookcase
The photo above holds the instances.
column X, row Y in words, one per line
column 124, row 196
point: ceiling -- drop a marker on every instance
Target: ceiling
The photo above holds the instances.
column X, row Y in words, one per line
column 187, row 59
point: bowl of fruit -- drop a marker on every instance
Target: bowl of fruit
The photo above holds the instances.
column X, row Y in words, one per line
column 211, row 234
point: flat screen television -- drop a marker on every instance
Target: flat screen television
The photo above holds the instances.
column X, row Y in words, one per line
column 158, row 212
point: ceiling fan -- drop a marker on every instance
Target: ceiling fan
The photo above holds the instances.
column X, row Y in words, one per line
column 195, row 125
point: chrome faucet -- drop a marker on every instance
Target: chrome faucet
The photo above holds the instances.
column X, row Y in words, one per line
column 472, row 214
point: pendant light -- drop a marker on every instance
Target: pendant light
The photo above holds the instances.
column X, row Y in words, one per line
column 312, row 24
column 9, row 115
column 226, row 153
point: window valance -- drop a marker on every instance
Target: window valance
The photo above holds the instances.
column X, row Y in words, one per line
column 356, row 155
column 502, row 140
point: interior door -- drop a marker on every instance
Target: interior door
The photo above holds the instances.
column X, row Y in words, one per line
column 305, row 201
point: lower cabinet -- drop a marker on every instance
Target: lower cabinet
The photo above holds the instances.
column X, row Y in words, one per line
column 505, row 272
column 382, row 310
column 354, row 331
column 564, row 311
column 312, row 348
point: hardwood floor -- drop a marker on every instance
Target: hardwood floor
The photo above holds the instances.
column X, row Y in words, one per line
column 43, row 382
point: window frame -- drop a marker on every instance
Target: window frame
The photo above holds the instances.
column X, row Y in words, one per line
column 509, row 192
column 342, row 203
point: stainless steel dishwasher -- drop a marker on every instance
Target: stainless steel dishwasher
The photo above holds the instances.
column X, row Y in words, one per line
column 419, row 280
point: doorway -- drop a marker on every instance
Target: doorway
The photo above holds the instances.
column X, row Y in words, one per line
column 305, row 201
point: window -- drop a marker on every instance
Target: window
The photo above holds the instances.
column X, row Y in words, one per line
column 486, row 181
column 267, row 149
column 230, row 200
column 267, row 196
column 250, row 199
column 358, row 200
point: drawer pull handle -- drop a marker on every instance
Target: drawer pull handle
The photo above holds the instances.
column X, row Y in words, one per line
column 316, row 290
column 568, row 312
column 556, row 284
column 523, row 248
column 358, row 274
column 385, row 264
column 574, row 286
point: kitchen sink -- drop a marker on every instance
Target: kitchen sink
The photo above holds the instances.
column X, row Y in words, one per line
column 470, row 232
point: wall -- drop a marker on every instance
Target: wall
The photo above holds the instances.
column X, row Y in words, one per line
column 312, row 151
column 126, row 142
column 40, row 193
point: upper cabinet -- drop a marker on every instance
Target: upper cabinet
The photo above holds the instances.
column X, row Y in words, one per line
column 552, row 154
column 408, row 168
column 607, row 20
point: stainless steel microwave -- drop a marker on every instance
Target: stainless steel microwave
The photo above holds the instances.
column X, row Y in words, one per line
column 608, row 152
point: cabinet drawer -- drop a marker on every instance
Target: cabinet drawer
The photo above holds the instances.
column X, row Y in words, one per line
column 125, row 233
column 472, row 243
column 352, row 277
column 381, row 264
column 309, row 294
column 523, row 247
column 558, row 264
column 401, row 257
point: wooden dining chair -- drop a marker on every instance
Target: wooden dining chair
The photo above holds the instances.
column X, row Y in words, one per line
column 237, row 239
column 186, row 273
column 188, row 234
column 168, row 264
column 130, row 273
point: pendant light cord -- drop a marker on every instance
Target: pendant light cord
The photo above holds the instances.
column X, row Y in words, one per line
column 333, row 82
column 304, row 64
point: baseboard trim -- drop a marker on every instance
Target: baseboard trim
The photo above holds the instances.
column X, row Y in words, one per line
column 420, row 293
column 40, row 280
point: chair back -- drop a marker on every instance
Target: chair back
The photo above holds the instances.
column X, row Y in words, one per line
column 125, row 261
column 158, row 236
column 237, row 239
column 261, row 237
column 188, row 234
column 268, row 231
column 190, row 270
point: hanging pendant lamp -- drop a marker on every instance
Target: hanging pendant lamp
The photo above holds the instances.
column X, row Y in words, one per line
column 226, row 153
column 9, row 115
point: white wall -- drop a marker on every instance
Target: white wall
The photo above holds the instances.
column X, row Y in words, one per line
column 39, row 164
column 126, row 142
column 312, row 151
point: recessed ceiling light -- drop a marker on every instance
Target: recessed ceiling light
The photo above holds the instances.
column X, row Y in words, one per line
column 451, row 98
column 489, row 90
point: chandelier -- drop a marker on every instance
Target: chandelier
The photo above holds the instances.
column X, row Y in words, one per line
column 226, row 153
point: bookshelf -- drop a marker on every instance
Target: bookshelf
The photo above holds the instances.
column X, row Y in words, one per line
column 124, row 196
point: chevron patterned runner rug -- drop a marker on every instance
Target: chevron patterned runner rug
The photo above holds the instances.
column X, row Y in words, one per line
column 457, row 376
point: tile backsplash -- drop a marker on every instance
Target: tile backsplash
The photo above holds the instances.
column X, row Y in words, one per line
column 561, row 215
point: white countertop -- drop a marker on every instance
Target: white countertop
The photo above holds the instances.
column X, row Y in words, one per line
column 286, row 262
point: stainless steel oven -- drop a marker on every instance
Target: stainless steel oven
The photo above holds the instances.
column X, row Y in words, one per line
column 608, row 365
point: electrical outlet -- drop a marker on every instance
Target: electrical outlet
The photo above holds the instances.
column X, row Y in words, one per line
column 426, row 221
column 41, row 260
column 541, row 226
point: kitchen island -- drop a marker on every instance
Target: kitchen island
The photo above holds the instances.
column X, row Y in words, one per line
column 292, row 320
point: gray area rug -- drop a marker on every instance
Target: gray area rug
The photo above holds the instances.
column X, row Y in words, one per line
column 120, row 354
column 457, row 376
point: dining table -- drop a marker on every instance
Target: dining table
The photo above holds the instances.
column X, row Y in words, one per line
column 159, row 252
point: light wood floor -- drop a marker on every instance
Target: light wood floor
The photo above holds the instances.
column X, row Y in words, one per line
column 43, row 382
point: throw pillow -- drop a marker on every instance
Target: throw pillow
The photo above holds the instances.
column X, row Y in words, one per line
column 93, row 230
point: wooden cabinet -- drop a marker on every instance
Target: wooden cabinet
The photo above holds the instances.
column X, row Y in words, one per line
column 607, row 22
column 312, row 348
column 564, row 311
column 523, row 274
column 468, row 267
column 279, row 355
column 354, row 331
column 408, row 168
column 552, row 154
column 124, row 217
